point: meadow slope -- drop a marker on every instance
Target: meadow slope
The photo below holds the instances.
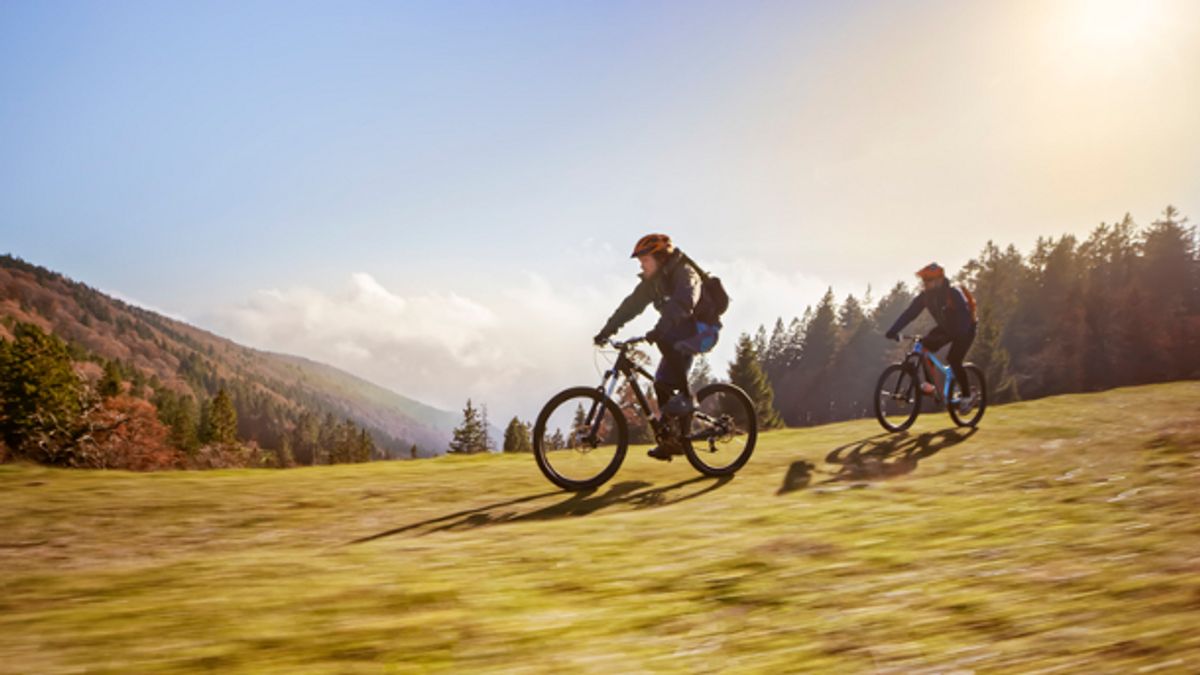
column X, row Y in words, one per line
column 1062, row 535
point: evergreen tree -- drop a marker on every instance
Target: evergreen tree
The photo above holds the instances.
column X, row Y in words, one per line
column 469, row 437
column 820, row 336
column 222, row 420
column 851, row 314
column 111, row 380
column 41, row 398
column 578, row 425
column 180, row 415
column 284, row 457
column 747, row 373
column 990, row 355
column 487, row 431
column 760, row 342
column 365, row 451
column 413, row 453
column 305, row 437
column 774, row 359
column 516, row 437
column 701, row 375
column 327, row 440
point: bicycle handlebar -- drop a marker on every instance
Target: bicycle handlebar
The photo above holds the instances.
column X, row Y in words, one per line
column 622, row 344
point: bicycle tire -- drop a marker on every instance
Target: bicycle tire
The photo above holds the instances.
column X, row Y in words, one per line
column 540, row 449
column 900, row 371
column 750, row 419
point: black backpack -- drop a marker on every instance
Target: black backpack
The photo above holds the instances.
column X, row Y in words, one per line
column 713, row 298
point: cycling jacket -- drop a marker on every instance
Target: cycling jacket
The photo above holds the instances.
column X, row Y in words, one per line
column 946, row 305
column 674, row 292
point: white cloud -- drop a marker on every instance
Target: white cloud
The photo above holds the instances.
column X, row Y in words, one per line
column 511, row 346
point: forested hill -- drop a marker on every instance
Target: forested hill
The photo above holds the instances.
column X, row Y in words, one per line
column 182, row 367
column 1119, row 307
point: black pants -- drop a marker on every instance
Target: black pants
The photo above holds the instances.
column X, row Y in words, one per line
column 939, row 338
column 672, row 373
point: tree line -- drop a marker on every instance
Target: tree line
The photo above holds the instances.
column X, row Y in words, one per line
column 1119, row 307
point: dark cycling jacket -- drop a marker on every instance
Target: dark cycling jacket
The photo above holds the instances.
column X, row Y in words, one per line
column 946, row 305
column 674, row 291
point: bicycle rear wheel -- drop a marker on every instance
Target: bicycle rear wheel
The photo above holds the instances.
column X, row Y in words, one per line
column 580, row 439
column 978, row 388
column 724, row 430
column 897, row 397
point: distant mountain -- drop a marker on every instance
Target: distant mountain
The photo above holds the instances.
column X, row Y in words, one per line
column 271, row 390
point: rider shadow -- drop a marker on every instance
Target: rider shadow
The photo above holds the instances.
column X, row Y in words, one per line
column 634, row 494
column 871, row 459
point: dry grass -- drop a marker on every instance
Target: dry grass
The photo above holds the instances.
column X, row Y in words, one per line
column 1063, row 535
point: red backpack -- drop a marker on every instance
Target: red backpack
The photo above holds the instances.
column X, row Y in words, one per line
column 971, row 306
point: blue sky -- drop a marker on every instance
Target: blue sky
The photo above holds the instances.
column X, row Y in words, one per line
column 459, row 182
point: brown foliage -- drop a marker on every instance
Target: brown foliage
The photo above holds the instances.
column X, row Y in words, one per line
column 124, row 433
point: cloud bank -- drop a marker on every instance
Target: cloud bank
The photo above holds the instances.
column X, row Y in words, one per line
column 511, row 346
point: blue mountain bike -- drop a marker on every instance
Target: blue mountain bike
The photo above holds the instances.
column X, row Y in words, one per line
column 902, row 385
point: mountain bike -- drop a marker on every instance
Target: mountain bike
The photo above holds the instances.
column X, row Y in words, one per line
column 582, row 433
column 899, row 390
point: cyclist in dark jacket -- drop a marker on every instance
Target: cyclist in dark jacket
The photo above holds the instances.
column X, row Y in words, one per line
column 955, row 324
column 673, row 287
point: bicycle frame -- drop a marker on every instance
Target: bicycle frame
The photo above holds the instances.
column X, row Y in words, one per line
column 612, row 378
column 625, row 366
column 930, row 360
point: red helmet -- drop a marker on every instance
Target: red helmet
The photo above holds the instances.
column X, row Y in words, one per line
column 653, row 243
column 931, row 271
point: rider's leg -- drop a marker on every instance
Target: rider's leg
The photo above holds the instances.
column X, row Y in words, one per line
column 958, row 352
column 671, row 377
column 672, row 374
column 935, row 340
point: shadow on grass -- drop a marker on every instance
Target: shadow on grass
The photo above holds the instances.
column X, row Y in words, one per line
column 876, row 457
column 634, row 494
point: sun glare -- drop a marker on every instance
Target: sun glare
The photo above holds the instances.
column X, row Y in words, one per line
column 1113, row 23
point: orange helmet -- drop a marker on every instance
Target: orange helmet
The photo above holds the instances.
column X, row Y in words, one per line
column 653, row 243
column 931, row 271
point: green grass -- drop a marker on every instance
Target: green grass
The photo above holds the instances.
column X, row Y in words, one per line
column 1063, row 535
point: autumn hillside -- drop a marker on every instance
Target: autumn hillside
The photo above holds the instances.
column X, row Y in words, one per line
column 270, row 391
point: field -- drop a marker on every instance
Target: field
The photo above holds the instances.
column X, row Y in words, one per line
column 1063, row 535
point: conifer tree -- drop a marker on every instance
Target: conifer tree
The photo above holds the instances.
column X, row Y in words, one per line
column 516, row 437
column 701, row 375
column 469, row 437
column 40, row 395
column 222, row 419
column 110, row 381
column 747, row 373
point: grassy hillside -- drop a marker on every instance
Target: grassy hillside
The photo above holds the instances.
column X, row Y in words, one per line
column 187, row 358
column 1063, row 535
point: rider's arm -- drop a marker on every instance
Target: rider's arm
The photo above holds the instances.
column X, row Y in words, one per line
column 629, row 308
column 909, row 314
column 679, row 306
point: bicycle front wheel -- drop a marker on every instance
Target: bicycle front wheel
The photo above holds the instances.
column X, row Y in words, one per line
column 897, row 397
column 724, row 430
column 580, row 439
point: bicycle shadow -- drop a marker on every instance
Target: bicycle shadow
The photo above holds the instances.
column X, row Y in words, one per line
column 634, row 494
column 877, row 457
